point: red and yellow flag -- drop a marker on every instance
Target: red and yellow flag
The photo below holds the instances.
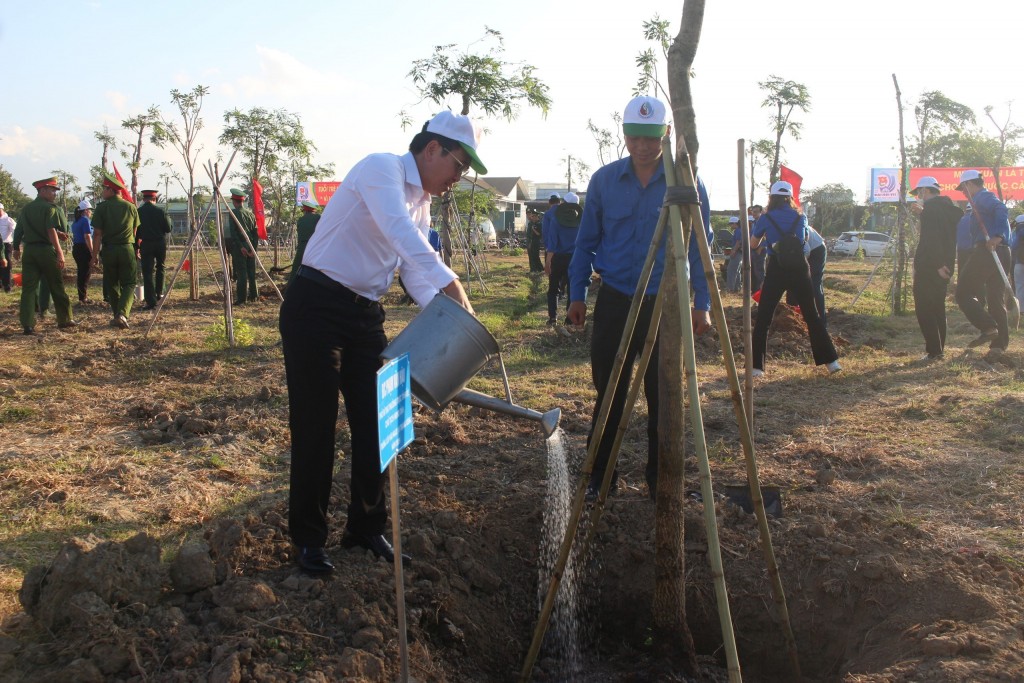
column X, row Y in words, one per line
column 257, row 208
column 125, row 194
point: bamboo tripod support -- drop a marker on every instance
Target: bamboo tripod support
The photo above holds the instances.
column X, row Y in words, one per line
column 212, row 172
column 632, row 394
column 748, row 342
column 746, row 434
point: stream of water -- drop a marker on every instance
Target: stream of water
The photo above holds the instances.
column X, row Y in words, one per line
column 564, row 635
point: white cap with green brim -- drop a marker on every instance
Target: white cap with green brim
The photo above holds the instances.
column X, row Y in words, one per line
column 462, row 130
column 645, row 117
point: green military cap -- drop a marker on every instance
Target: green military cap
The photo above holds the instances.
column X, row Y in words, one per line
column 312, row 206
column 111, row 181
column 236, row 193
column 46, row 182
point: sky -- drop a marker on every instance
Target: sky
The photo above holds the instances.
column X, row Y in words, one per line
column 343, row 68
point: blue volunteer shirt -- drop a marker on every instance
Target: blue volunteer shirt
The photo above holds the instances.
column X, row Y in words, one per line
column 737, row 239
column 785, row 218
column 80, row 229
column 994, row 215
column 619, row 219
column 558, row 239
column 963, row 232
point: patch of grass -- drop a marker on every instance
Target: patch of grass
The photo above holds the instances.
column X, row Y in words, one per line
column 217, row 339
column 13, row 414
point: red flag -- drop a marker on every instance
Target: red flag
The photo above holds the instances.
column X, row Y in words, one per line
column 794, row 179
column 257, row 207
column 125, row 194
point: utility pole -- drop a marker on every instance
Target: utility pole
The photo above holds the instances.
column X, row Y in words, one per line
column 568, row 174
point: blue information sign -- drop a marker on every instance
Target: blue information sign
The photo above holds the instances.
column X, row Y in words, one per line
column 394, row 409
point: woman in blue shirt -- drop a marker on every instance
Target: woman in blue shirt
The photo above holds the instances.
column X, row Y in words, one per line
column 783, row 217
column 81, row 234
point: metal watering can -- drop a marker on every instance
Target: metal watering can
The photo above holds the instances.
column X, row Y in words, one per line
column 447, row 346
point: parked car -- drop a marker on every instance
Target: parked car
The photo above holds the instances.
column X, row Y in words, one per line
column 484, row 233
column 873, row 244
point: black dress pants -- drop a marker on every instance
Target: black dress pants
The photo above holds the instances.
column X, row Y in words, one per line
column 153, row 256
column 979, row 284
column 83, row 264
column 778, row 281
column 332, row 343
column 610, row 312
column 559, row 271
column 930, row 308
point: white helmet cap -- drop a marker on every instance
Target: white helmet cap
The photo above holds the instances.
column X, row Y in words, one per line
column 926, row 181
column 782, row 188
column 571, row 198
column 84, row 205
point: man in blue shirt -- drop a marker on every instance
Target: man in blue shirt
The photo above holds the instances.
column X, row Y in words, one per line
column 624, row 200
column 558, row 228
column 980, row 280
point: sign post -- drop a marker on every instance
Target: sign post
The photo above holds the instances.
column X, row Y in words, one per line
column 395, row 432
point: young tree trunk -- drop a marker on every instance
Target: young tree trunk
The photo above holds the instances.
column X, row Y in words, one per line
column 898, row 303
column 671, row 633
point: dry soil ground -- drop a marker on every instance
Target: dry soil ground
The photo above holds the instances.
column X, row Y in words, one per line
column 142, row 515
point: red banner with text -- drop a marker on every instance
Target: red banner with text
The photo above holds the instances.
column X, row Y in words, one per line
column 1011, row 179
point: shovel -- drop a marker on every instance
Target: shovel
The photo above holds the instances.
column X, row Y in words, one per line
column 1013, row 314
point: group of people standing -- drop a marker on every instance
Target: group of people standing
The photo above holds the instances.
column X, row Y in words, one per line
column 116, row 231
column 979, row 243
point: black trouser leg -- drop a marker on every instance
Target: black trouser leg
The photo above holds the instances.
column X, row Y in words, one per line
column 610, row 312
column 559, row 270
column 930, row 308
column 778, row 281
column 331, row 345
column 5, row 273
column 148, row 255
column 83, row 263
column 971, row 288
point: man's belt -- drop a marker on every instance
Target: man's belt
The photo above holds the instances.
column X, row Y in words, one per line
column 335, row 286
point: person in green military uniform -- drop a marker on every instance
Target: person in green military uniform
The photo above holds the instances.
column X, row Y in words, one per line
column 304, row 229
column 115, row 223
column 43, row 259
column 154, row 226
column 243, row 259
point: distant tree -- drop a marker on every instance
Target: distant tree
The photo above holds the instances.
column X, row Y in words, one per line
column 480, row 202
column 783, row 97
column 655, row 30
column 1008, row 133
column 940, row 121
column 576, row 172
column 494, row 85
column 762, row 152
column 148, row 121
column 275, row 149
column 832, row 206
column 108, row 141
column 184, row 138
column 11, row 194
column 610, row 144
column 69, row 188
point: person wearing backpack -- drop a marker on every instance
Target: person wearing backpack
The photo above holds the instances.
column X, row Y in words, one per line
column 561, row 223
column 783, row 230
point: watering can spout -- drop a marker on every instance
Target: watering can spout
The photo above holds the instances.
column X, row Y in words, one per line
column 548, row 421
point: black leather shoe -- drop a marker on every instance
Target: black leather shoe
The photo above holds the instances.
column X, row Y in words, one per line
column 375, row 543
column 314, row 560
column 29, row 330
column 983, row 338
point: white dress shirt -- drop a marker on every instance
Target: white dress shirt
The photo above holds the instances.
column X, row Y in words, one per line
column 377, row 220
column 7, row 225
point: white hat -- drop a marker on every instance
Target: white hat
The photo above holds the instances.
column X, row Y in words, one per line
column 734, row 219
column 782, row 188
column 645, row 117
column 462, row 130
column 926, row 181
column 84, row 204
column 969, row 174
column 1019, row 220
column 571, row 198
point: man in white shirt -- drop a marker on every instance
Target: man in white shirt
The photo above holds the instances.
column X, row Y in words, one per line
column 7, row 225
column 332, row 324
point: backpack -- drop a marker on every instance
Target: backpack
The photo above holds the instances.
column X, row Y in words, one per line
column 789, row 250
column 568, row 215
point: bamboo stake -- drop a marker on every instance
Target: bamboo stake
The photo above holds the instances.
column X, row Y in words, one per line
column 748, row 342
column 588, row 466
column 680, row 261
column 746, row 437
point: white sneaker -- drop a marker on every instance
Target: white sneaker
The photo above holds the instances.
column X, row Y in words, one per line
column 757, row 372
column 834, row 367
